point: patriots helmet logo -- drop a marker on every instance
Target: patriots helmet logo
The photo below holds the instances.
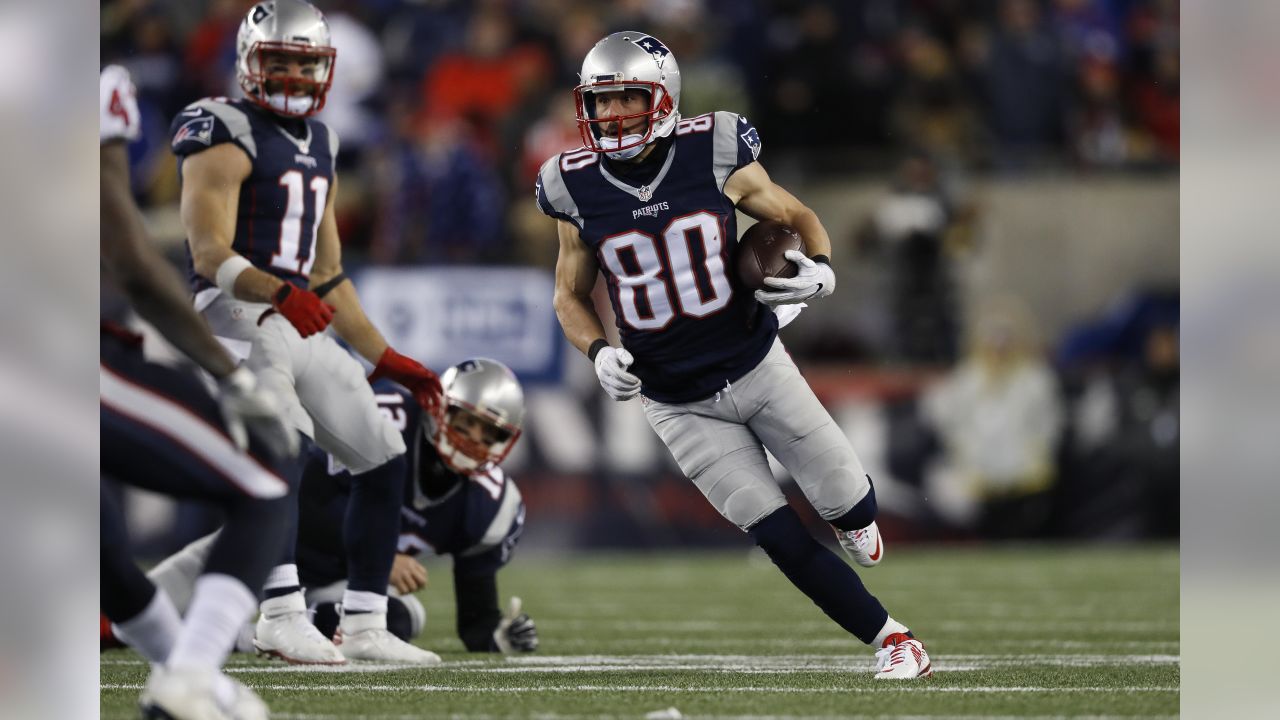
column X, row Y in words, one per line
column 262, row 12
column 654, row 47
column 752, row 138
column 198, row 130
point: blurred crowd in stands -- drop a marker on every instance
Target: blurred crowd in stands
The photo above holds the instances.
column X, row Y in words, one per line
column 1016, row 441
column 454, row 104
column 446, row 109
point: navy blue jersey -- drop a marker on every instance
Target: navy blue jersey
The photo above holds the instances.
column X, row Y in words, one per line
column 283, row 199
column 665, row 249
column 476, row 519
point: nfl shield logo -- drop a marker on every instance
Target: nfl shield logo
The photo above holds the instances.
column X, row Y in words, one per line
column 646, row 193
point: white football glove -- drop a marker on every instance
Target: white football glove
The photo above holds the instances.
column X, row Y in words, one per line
column 611, row 368
column 516, row 631
column 246, row 406
column 815, row 280
column 787, row 313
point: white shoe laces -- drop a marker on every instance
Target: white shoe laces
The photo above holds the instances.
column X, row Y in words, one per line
column 882, row 657
column 890, row 657
column 859, row 538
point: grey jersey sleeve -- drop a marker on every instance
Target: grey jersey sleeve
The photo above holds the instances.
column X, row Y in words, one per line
column 735, row 144
column 553, row 195
column 209, row 122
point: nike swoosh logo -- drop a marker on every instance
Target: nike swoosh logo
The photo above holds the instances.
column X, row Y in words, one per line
column 192, row 112
column 876, row 555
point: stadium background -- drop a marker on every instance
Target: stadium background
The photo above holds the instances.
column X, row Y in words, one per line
column 1000, row 180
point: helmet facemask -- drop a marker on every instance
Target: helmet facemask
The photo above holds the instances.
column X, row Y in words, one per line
column 283, row 93
column 597, row 133
column 469, row 440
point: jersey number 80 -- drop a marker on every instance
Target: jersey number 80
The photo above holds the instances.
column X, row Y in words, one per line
column 641, row 266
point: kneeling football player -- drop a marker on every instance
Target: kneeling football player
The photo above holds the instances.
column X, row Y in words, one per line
column 456, row 501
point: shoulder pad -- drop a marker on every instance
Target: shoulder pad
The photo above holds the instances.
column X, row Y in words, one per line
column 209, row 122
column 118, row 117
column 551, row 191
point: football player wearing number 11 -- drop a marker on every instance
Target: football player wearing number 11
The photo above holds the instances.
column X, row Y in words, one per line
column 649, row 201
column 258, row 193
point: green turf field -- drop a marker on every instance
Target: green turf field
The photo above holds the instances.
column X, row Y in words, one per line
column 1019, row 632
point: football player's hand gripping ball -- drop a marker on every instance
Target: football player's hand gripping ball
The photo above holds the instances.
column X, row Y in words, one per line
column 815, row 280
column 303, row 309
column 246, row 406
column 422, row 382
column 611, row 369
column 516, row 632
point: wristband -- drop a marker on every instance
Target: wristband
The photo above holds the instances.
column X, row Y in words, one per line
column 327, row 286
column 284, row 291
column 228, row 271
column 595, row 348
column 821, row 259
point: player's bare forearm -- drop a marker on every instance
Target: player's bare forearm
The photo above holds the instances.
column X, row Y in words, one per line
column 816, row 239
column 754, row 193
column 352, row 325
column 210, row 202
column 576, row 271
column 578, row 319
column 151, row 282
column 349, row 320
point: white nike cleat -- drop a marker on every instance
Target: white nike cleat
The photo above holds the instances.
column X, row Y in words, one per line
column 364, row 636
column 198, row 695
column 864, row 546
column 902, row 658
column 284, row 631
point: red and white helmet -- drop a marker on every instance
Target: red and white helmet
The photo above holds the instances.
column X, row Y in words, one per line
column 628, row 60
column 290, row 27
column 483, row 394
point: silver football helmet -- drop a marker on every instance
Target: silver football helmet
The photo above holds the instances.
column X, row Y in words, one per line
column 621, row 61
column 289, row 28
column 481, row 416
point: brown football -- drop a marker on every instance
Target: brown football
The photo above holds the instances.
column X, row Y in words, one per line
column 761, row 253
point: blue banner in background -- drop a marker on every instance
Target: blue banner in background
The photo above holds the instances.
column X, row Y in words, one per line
column 443, row 315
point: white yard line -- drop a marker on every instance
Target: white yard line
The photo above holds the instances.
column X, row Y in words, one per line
column 700, row 716
column 746, row 664
column 880, row 689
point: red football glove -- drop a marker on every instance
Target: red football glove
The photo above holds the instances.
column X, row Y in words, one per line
column 303, row 309
column 424, row 384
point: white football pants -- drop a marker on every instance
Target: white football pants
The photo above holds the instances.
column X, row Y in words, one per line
column 322, row 388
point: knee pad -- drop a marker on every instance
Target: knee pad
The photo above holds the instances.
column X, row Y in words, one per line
column 784, row 538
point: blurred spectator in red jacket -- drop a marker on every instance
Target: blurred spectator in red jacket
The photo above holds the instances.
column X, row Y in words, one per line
column 484, row 82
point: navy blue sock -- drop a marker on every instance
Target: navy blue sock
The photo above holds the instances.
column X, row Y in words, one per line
column 288, row 555
column 372, row 525
column 860, row 515
column 125, row 590
column 250, row 541
column 828, row 581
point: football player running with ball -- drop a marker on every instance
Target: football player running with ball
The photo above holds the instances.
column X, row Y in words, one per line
column 258, row 194
column 649, row 201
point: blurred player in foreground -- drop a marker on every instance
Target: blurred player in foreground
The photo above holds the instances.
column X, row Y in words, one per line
column 457, row 502
column 649, row 201
column 258, row 195
column 162, row 430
